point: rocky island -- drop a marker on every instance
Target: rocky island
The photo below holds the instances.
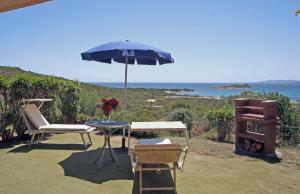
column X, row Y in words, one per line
column 232, row 87
column 175, row 91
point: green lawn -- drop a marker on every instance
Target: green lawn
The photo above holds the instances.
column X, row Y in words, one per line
column 60, row 165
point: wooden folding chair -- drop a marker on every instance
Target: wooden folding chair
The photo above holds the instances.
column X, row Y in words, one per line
column 156, row 154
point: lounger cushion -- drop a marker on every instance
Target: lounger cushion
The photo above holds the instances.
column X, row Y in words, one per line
column 35, row 116
column 66, row 128
column 154, row 141
column 39, row 122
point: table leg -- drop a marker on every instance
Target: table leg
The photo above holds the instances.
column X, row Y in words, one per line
column 100, row 161
column 128, row 140
column 123, row 139
column 110, row 150
column 112, row 154
column 101, row 153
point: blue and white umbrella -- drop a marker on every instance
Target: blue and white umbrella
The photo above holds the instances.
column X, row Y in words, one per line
column 129, row 53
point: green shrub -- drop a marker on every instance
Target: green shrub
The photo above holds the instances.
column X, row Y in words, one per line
column 222, row 119
column 69, row 101
column 6, row 134
column 48, row 87
column 176, row 105
column 7, row 108
column 183, row 115
column 24, row 86
column 88, row 100
column 6, row 126
column 82, row 118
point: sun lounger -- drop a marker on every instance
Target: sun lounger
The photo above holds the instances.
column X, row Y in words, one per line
column 38, row 125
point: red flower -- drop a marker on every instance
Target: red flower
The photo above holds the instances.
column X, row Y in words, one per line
column 104, row 100
column 108, row 107
column 114, row 103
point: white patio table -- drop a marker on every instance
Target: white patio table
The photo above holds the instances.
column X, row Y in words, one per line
column 108, row 127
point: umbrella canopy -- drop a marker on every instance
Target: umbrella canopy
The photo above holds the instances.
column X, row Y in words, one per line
column 129, row 53
column 7, row 5
column 120, row 51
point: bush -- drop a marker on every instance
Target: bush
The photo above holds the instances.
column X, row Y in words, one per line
column 82, row 118
column 69, row 101
column 88, row 100
column 24, row 86
column 6, row 127
column 183, row 115
column 177, row 105
column 6, row 134
column 222, row 119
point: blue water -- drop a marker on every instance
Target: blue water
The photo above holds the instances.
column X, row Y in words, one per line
column 292, row 90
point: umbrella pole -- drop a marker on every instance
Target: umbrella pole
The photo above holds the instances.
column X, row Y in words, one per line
column 125, row 98
column 125, row 86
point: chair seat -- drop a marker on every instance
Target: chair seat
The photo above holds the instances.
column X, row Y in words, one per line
column 66, row 128
column 154, row 141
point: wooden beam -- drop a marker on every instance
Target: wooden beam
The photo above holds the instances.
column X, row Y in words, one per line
column 7, row 5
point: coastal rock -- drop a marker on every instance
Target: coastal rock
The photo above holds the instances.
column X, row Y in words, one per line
column 232, row 87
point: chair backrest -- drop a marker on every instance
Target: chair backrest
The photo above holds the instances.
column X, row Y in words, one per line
column 35, row 116
column 27, row 122
column 159, row 153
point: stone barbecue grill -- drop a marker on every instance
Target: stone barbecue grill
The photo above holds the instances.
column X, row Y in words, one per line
column 262, row 112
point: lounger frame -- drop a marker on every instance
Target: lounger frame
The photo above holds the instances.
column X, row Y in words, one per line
column 32, row 130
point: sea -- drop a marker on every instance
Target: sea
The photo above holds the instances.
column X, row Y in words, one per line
column 292, row 90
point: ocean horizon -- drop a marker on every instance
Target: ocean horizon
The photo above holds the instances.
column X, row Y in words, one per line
column 292, row 90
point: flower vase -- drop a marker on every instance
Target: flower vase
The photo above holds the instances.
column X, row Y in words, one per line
column 108, row 116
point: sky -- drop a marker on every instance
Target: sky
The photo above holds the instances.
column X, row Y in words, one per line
column 210, row 40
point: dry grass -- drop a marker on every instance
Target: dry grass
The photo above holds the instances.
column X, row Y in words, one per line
column 206, row 145
column 291, row 157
